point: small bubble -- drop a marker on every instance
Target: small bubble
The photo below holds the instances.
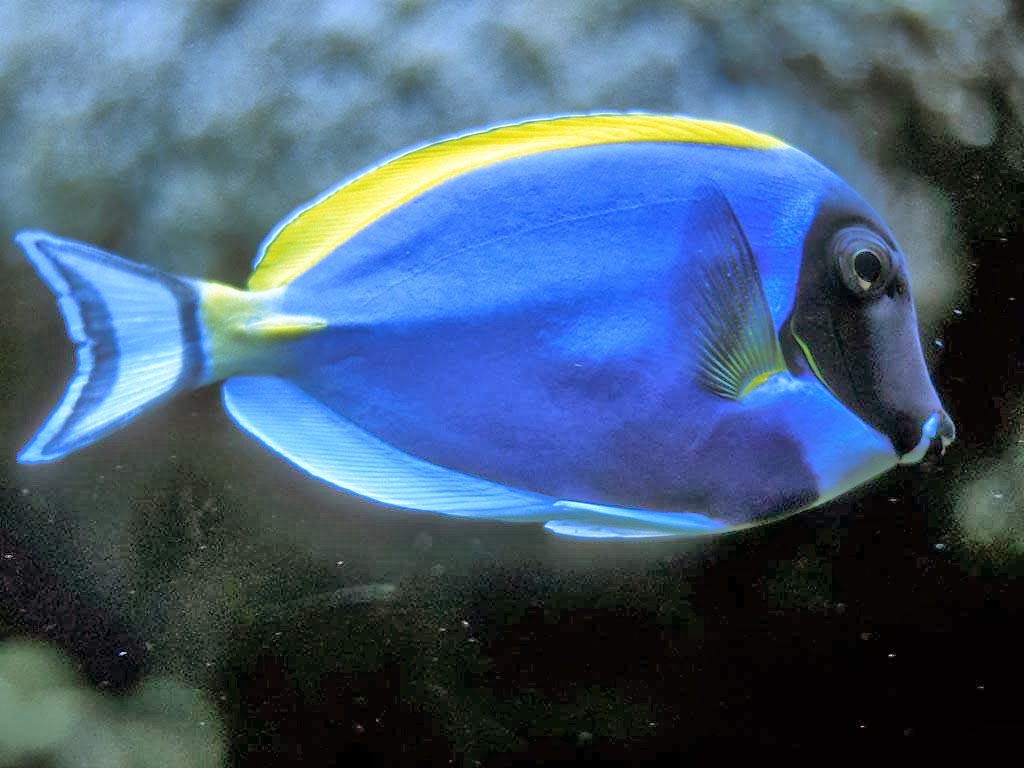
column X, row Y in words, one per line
column 583, row 738
column 8, row 556
column 940, row 546
column 340, row 563
column 861, row 724
column 358, row 729
column 891, row 656
column 979, row 686
column 473, row 640
column 122, row 654
column 958, row 312
column 939, row 343
column 465, row 624
column 997, row 495
column 202, row 723
column 865, row 635
column 24, row 491
column 894, row 499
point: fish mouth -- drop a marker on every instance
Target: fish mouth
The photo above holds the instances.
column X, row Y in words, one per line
column 937, row 432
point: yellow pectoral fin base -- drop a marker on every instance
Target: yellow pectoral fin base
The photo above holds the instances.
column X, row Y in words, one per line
column 243, row 331
column 313, row 232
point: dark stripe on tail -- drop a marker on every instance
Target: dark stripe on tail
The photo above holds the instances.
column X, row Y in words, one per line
column 192, row 373
column 100, row 331
column 186, row 296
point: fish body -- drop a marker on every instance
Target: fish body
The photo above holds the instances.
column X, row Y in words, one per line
column 619, row 325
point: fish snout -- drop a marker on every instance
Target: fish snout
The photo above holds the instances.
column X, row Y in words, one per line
column 933, row 437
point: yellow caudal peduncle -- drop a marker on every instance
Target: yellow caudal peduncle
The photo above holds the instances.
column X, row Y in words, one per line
column 243, row 331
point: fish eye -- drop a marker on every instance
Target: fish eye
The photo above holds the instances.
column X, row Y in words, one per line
column 865, row 261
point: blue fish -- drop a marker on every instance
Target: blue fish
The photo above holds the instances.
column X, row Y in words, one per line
column 617, row 325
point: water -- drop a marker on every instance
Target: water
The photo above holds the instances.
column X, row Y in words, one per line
column 221, row 609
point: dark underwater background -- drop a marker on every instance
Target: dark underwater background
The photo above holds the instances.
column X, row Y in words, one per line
column 177, row 596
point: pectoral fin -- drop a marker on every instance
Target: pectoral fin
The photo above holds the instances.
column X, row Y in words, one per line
column 739, row 347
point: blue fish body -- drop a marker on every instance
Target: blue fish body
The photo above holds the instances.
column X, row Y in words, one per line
column 601, row 323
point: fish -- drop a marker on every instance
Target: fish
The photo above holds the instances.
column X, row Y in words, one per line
column 616, row 325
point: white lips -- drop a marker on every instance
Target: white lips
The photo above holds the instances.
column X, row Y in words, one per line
column 929, row 430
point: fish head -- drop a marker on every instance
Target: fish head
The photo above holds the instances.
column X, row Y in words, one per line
column 854, row 325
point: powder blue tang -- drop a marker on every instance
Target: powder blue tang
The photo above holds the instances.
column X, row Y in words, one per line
column 620, row 326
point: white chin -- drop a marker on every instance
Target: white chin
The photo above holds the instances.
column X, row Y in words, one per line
column 929, row 430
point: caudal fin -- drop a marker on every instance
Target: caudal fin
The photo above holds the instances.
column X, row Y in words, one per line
column 137, row 337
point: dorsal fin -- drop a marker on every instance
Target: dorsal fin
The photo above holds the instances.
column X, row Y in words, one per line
column 739, row 347
column 313, row 231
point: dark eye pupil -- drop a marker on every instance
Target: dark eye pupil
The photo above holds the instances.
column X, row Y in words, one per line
column 867, row 265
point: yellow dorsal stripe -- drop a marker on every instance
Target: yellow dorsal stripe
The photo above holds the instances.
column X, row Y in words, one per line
column 315, row 231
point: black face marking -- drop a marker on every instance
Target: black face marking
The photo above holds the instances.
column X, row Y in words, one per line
column 187, row 299
column 854, row 321
column 97, row 325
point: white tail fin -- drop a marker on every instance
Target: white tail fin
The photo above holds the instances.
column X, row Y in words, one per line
column 137, row 334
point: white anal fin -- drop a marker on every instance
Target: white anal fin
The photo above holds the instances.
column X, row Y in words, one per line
column 293, row 423
column 580, row 520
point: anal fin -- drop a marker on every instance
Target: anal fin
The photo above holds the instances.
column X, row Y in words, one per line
column 316, row 439
column 321, row 442
column 581, row 520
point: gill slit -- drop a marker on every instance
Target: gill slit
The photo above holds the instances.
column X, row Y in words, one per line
column 810, row 359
